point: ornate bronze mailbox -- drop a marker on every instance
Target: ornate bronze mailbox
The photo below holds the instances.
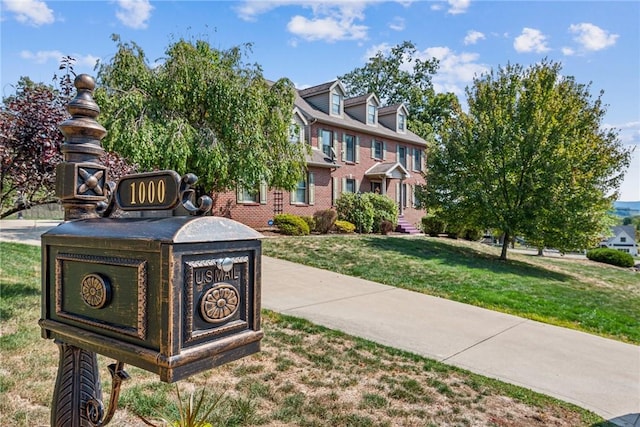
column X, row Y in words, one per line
column 173, row 295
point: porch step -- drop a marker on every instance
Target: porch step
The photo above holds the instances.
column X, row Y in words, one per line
column 405, row 227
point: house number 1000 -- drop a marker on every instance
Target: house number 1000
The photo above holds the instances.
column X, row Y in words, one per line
column 148, row 192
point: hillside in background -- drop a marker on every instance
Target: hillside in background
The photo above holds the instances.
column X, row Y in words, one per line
column 625, row 209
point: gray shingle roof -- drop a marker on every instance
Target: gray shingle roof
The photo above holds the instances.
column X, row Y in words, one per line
column 324, row 87
column 358, row 99
column 348, row 122
column 319, row 160
column 389, row 109
column 386, row 169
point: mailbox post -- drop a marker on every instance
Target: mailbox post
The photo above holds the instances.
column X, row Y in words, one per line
column 171, row 295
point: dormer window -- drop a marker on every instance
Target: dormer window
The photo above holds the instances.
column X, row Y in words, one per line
column 297, row 127
column 401, row 122
column 336, row 104
column 371, row 114
column 295, row 133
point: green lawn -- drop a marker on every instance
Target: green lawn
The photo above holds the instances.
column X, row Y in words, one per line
column 579, row 294
column 305, row 375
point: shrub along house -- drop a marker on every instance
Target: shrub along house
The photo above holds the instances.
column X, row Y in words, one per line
column 356, row 145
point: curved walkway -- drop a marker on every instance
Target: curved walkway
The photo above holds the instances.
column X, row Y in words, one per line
column 595, row 373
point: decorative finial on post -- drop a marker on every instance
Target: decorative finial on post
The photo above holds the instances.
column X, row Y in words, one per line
column 81, row 180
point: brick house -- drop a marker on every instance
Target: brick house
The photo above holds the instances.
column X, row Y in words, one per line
column 356, row 146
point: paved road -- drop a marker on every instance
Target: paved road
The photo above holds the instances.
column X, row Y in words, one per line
column 596, row 373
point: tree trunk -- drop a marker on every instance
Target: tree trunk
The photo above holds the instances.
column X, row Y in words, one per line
column 541, row 251
column 505, row 246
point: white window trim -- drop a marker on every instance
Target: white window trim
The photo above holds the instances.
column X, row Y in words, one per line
column 417, row 167
column 356, row 149
column 398, row 158
column 332, row 146
column 373, row 122
column 403, row 122
column 310, row 192
column 383, row 147
column 340, row 104
column 356, row 185
column 261, row 198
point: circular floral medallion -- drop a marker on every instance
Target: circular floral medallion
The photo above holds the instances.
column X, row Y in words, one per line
column 219, row 303
column 95, row 291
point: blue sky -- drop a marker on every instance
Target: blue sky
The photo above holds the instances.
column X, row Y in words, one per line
column 312, row 42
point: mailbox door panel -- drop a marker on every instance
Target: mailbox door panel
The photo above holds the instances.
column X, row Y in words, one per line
column 220, row 287
column 107, row 291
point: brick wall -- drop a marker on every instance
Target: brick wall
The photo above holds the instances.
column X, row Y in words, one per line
column 257, row 215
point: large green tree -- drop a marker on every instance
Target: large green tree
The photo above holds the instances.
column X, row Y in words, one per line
column 201, row 110
column 399, row 76
column 530, row 158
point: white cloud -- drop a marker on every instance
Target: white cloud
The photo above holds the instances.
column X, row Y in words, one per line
column 44, row 56
column 86, row 60
column 592, row 37
column 455, row 6
column 32, row 12
column 397, row 24
column 473, row 36
column 327, row 29
column 455, row 71
column 331, row 22
column 531, row 40
column 249, row 10
column 385, row 48
column 567, row 51
column 629, row 189
column 134, row 13
column 629, row 133
column 328, row 20
column 458, row 6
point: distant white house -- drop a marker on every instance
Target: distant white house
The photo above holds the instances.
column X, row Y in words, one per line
column 623, row 239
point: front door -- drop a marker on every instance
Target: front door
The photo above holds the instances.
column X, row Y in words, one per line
column 402, row 202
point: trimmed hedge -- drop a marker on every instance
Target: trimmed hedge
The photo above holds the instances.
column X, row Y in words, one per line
column 367, row 211
column 472, row 234
column 433, row 226
column 357, row 210
column 311, row 222
column 611, row 256
column 291, row 225
column 384, row 209
column 344, row 227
